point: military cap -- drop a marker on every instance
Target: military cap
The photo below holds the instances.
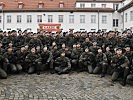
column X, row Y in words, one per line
column 127, row 45
column 118, row 48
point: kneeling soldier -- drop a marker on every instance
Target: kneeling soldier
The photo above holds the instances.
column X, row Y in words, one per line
column 120, row 63
column 87, row 60
column 62, row 64
column 101, row 63
column 34, row 61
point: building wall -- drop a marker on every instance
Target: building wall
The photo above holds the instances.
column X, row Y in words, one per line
column 129, row 23
column 77, row 26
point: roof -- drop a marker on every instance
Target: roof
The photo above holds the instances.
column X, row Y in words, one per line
column 33, row 4
column 126, row 7
column 99, row 0
column 49, row 5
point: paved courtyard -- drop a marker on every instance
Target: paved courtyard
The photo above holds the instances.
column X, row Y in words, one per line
column 74, row 86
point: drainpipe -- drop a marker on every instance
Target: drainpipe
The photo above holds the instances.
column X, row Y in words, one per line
column 98, row 19
column 3, row 19
column 123, row 20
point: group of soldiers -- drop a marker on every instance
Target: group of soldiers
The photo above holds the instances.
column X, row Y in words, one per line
column 97, row 53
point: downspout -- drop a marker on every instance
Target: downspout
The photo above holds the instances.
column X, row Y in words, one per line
column 98, row 20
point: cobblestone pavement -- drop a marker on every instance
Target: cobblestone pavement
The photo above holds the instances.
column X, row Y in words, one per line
column 74, row 86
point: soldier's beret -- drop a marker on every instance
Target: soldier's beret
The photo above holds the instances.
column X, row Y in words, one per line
column 127, row 45
column 118, row 48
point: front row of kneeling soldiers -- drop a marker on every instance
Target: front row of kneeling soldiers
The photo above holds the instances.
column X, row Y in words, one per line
column 64, row 60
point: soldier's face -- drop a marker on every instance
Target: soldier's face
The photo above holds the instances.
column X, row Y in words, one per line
column 55, row 47
column 1, row 45
column 127, row 48
column 10, row 50
column 107, row 49
column 63, row 54
column 63, row 46
column 26, row 47
column 87, row 39
column 22, row 49
column 53, row 43
column 87, row 50
column 94, row 43
column 119, row 52
column 38, row 48
column 74, row 46
column 10, row 44
column 33, row 50
column 45, row 49
column 99, row 50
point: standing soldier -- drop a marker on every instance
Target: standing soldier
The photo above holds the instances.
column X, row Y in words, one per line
column 101, row 63
column 120, row 63
column 62, row 64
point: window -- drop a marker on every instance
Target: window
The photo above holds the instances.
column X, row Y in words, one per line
column 61, row 18
column 0, row 19
column 103, row 5
column 115, row 22
column 50, row 18
column 61, row 5
column 115, row 6
column 93, row 18
column 131, row 15
column 8, row 18
column 104, row 19
column 29, row 18
column 40, row 5
column 82, row 5
column 19, row 17
column 39, row 18
column 93, row 5
column 125, row 17
column 71, row 18
column 82, row 18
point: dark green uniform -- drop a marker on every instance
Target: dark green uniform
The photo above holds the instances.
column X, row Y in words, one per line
column 62, row 65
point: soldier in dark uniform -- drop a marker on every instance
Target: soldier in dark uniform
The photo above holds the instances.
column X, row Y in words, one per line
column 94, row 47
column 101, row 63
column 34, row 61
column 35, row 41
column 109, row 55
column 86, row 43
column 55, row 53
column 3, row 73
column 120, row 63
column 129, row 54
column 20, row 59
column 46, row 56
column 62, row 64
column 87, row 60
column 10, row 56
column 75, row 54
